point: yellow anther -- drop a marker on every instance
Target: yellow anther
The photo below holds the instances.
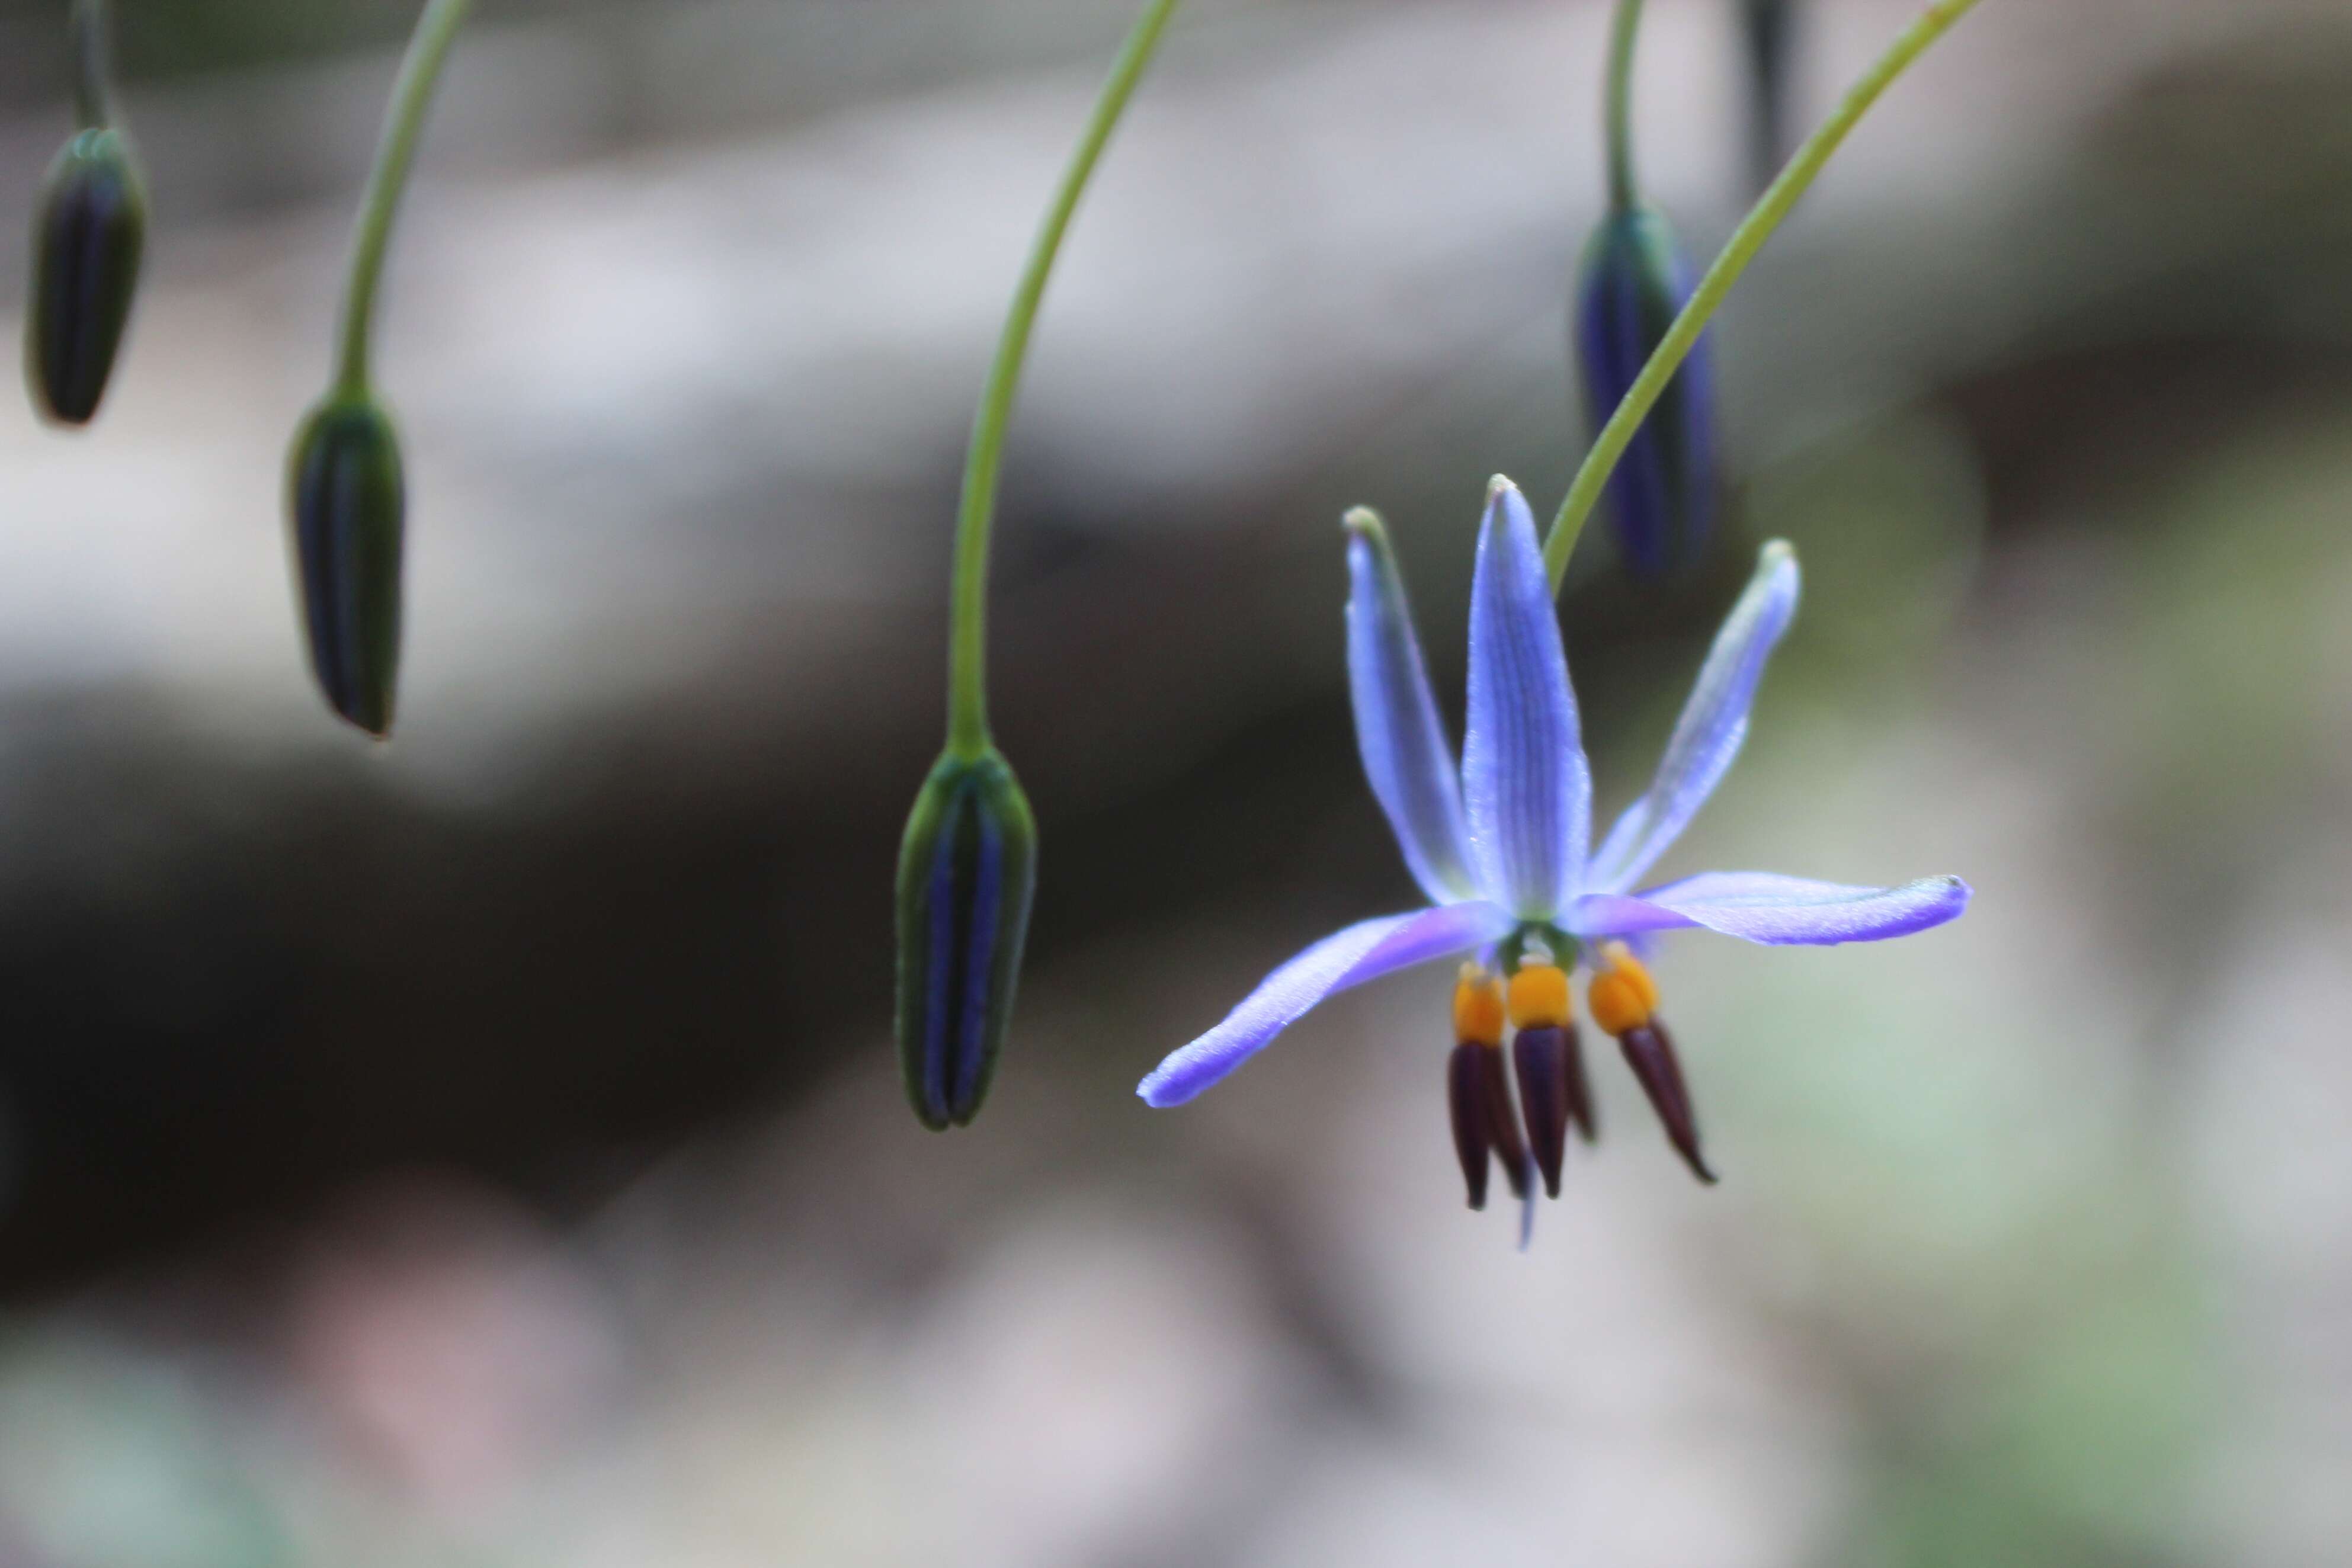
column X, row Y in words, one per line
column 1620, row 958
column 1477, row 1008
column 1623, row 995
column 1540, row 996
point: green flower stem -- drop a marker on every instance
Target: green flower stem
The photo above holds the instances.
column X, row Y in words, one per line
column 1745, row 241
column 968, row 734
column 87, row 24
column 420, row 72
column 1619, row 115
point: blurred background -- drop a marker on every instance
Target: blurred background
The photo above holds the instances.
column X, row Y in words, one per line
column 486, row 1149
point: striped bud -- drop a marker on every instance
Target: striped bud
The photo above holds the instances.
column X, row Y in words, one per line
column 1662, row 495
column 1767, row 29
column 966, row 871
column 87, row 241
column 346, row 504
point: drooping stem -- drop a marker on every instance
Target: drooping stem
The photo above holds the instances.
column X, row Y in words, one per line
column 411, row 95
column 976, row 517
column 1745, row 241
column 1619, row 122
column 86, row 22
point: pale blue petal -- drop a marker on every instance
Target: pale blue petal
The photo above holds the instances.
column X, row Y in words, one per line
column 1349, row 957
column 1760, row 907
column 1526, row 788
column 1713, row 725
column 1405, row 753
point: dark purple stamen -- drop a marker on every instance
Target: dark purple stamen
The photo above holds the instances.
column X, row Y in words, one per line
column 1465, row 1099
column 1581, row 1104
column 1544, row 1057
column 1503, row 1120
column 1650, row 1052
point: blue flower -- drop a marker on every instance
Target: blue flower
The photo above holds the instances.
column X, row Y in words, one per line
column 1504, row 854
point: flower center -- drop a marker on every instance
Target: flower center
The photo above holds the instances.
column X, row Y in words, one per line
column 1537, row 941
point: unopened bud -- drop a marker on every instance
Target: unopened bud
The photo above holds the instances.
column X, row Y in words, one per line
column 347, row 504
column 966, row 870
column 1661, row 495
column 86, row 242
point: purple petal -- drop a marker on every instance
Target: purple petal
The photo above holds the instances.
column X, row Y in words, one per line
column 1405, row 752
column 1760, row 907
column 1348, row 958
column 1712, row 729
column 1525, row 784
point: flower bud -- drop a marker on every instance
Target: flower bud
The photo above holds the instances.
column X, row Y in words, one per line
column 346, row 501
column 1768, row 30
column 1661, row 495
column 966, row 870
column 87, row 240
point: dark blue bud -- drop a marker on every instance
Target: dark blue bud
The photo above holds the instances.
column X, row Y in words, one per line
column 1661, row 495
column 346, row 505
column 966, row 871
column 87, row 241
column 1769, row 30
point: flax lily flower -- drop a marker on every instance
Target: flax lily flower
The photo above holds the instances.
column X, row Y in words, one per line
column 1503, row 851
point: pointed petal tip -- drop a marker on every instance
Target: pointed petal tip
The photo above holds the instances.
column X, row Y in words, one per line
column 378, row 730
column 1156, row 1091
column 1506, row 505
column 1363, row 523
column 1775, row 910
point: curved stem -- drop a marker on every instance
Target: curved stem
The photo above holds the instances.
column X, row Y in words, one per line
column 86, row 22
column 1745, row 241
column 976, row 517
column 420, row 72
column 1618, row 124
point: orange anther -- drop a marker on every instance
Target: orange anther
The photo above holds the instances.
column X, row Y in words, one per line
column 1623, row 995
column 1540, row 996
column 1477, row 1008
